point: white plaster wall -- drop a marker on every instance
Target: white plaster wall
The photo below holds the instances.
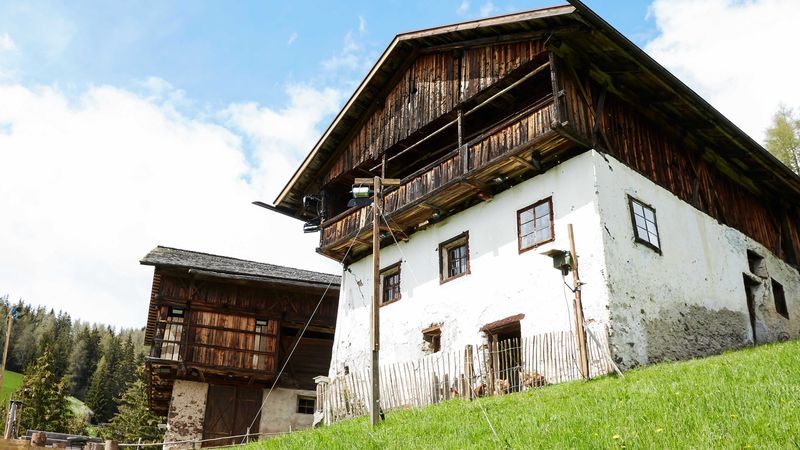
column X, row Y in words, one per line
column 187, row 409
column 689, row 301
column 502, row 281
column 280, row 411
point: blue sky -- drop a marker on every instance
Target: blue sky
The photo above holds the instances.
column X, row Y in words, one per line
column 125, row 125
column 224, row 52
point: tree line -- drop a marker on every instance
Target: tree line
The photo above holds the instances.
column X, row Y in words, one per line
column 94, row 363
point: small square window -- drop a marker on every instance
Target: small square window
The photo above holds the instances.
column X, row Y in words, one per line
column 644, row 224
column 535, row 225
column 433, row 336
column 390, row 284
column 780, row 299
column 454, row 257
column 305, row 405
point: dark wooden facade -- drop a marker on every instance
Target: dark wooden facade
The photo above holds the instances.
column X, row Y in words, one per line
column 461, row 112
column 235, row 327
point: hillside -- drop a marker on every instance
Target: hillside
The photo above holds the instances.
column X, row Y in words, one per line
column 11, row 381
column 744, row 399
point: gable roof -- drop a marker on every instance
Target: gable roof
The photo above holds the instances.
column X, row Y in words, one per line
column 611, row 47
column 224, row 265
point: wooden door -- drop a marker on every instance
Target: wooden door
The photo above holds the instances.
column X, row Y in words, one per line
column 229, row 411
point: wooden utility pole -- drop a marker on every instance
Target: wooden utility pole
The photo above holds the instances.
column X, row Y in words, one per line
column 579, row 328
column 377, row 200
column 9, row 323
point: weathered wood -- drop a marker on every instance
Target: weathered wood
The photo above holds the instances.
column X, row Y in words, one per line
column 38, row 439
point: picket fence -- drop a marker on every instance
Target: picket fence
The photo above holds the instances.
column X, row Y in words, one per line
column 490, row 369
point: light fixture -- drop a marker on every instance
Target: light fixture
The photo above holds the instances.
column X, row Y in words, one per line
column 500, row 179
column 361, row 196
column 361, row 191
column 562, row 260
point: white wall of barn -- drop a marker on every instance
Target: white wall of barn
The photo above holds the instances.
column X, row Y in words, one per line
column 501, row 283
column 690, row 300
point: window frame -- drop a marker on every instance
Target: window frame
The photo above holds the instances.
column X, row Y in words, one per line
column 444, row 257
column 433, row 336
column 549, row 201
column 307, row 398
column 391, row 270
column 637, row 239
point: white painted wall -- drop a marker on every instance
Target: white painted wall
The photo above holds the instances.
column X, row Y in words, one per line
column 187, row 409
column 502, row 281
column 690, row 300
column 280, row 411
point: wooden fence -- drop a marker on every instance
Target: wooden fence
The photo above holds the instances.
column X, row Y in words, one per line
column 496, row 368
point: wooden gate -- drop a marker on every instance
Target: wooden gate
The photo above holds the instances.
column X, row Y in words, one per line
column 229, row 411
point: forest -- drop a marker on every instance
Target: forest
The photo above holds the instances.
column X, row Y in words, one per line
column 94, row 363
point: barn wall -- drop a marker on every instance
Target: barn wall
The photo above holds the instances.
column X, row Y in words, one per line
column 689, row 301
column 502, row 281
column 186, row 413
column 432, row 86
column 280, row 411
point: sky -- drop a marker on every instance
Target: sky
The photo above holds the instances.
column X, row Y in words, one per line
column 130, row 124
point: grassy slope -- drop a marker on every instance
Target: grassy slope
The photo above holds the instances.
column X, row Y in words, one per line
column 11, row 381
column 744, row 399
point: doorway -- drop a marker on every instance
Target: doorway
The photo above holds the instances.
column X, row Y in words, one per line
column 229, row 411
column 749, row 287
column 505, row 342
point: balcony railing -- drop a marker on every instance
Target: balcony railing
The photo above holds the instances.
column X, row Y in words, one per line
column 510, row 138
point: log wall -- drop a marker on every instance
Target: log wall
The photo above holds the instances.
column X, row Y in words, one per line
column 660, row 156
column 431, row 87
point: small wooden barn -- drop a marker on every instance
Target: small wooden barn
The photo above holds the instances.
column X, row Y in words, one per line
column 220, row 330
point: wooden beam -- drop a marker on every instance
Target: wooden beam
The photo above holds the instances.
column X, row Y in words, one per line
column 524, row 162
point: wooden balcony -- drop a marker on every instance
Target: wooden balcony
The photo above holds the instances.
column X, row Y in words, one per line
column 454, row 182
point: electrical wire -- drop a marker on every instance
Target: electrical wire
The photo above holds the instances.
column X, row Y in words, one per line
column 299, row 338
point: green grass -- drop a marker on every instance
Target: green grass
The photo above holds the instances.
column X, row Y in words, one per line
column 11, row 381
column 743, row 399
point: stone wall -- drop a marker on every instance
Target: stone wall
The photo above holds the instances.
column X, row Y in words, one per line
column 280, row 411
column 187, row 410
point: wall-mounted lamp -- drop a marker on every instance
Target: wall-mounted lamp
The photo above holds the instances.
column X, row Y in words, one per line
column 361, row 196
column 562, row 260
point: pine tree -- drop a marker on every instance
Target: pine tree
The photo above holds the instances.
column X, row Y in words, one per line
column 46, row 407
column 99, row 397
column 134, row 419
column 83, row 360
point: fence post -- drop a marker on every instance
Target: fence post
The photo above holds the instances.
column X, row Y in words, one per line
column 469, row 369
column 434, row 389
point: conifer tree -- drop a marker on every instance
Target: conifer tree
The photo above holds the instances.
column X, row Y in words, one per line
column 99, row 397
column 46, row 407
column 134, row 419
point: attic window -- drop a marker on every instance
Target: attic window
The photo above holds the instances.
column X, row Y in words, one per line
column 644, row 224
column 780, row 299
column 454, row 257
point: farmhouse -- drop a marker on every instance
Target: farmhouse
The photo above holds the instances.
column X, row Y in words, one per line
column 502, row 132
column 220, row 329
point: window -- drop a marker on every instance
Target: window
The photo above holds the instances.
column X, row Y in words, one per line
column 644, row 224
column 780, row 299
column 390, row 283
column 756, row 264
column 171, row 333
column 454, row 257
column 264, row 342
column 535, row 225
column 433, row 337
column 305, row 405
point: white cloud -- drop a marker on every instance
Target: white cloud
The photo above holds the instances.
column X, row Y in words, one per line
column 88, row 185
column 292, row 38
column 487, row 9
column 6, row 43
column 739, row 55
column 362, row 25
column 463, row 8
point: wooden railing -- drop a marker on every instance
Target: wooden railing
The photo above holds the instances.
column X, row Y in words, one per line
column 493, row 144
column 497, row 368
